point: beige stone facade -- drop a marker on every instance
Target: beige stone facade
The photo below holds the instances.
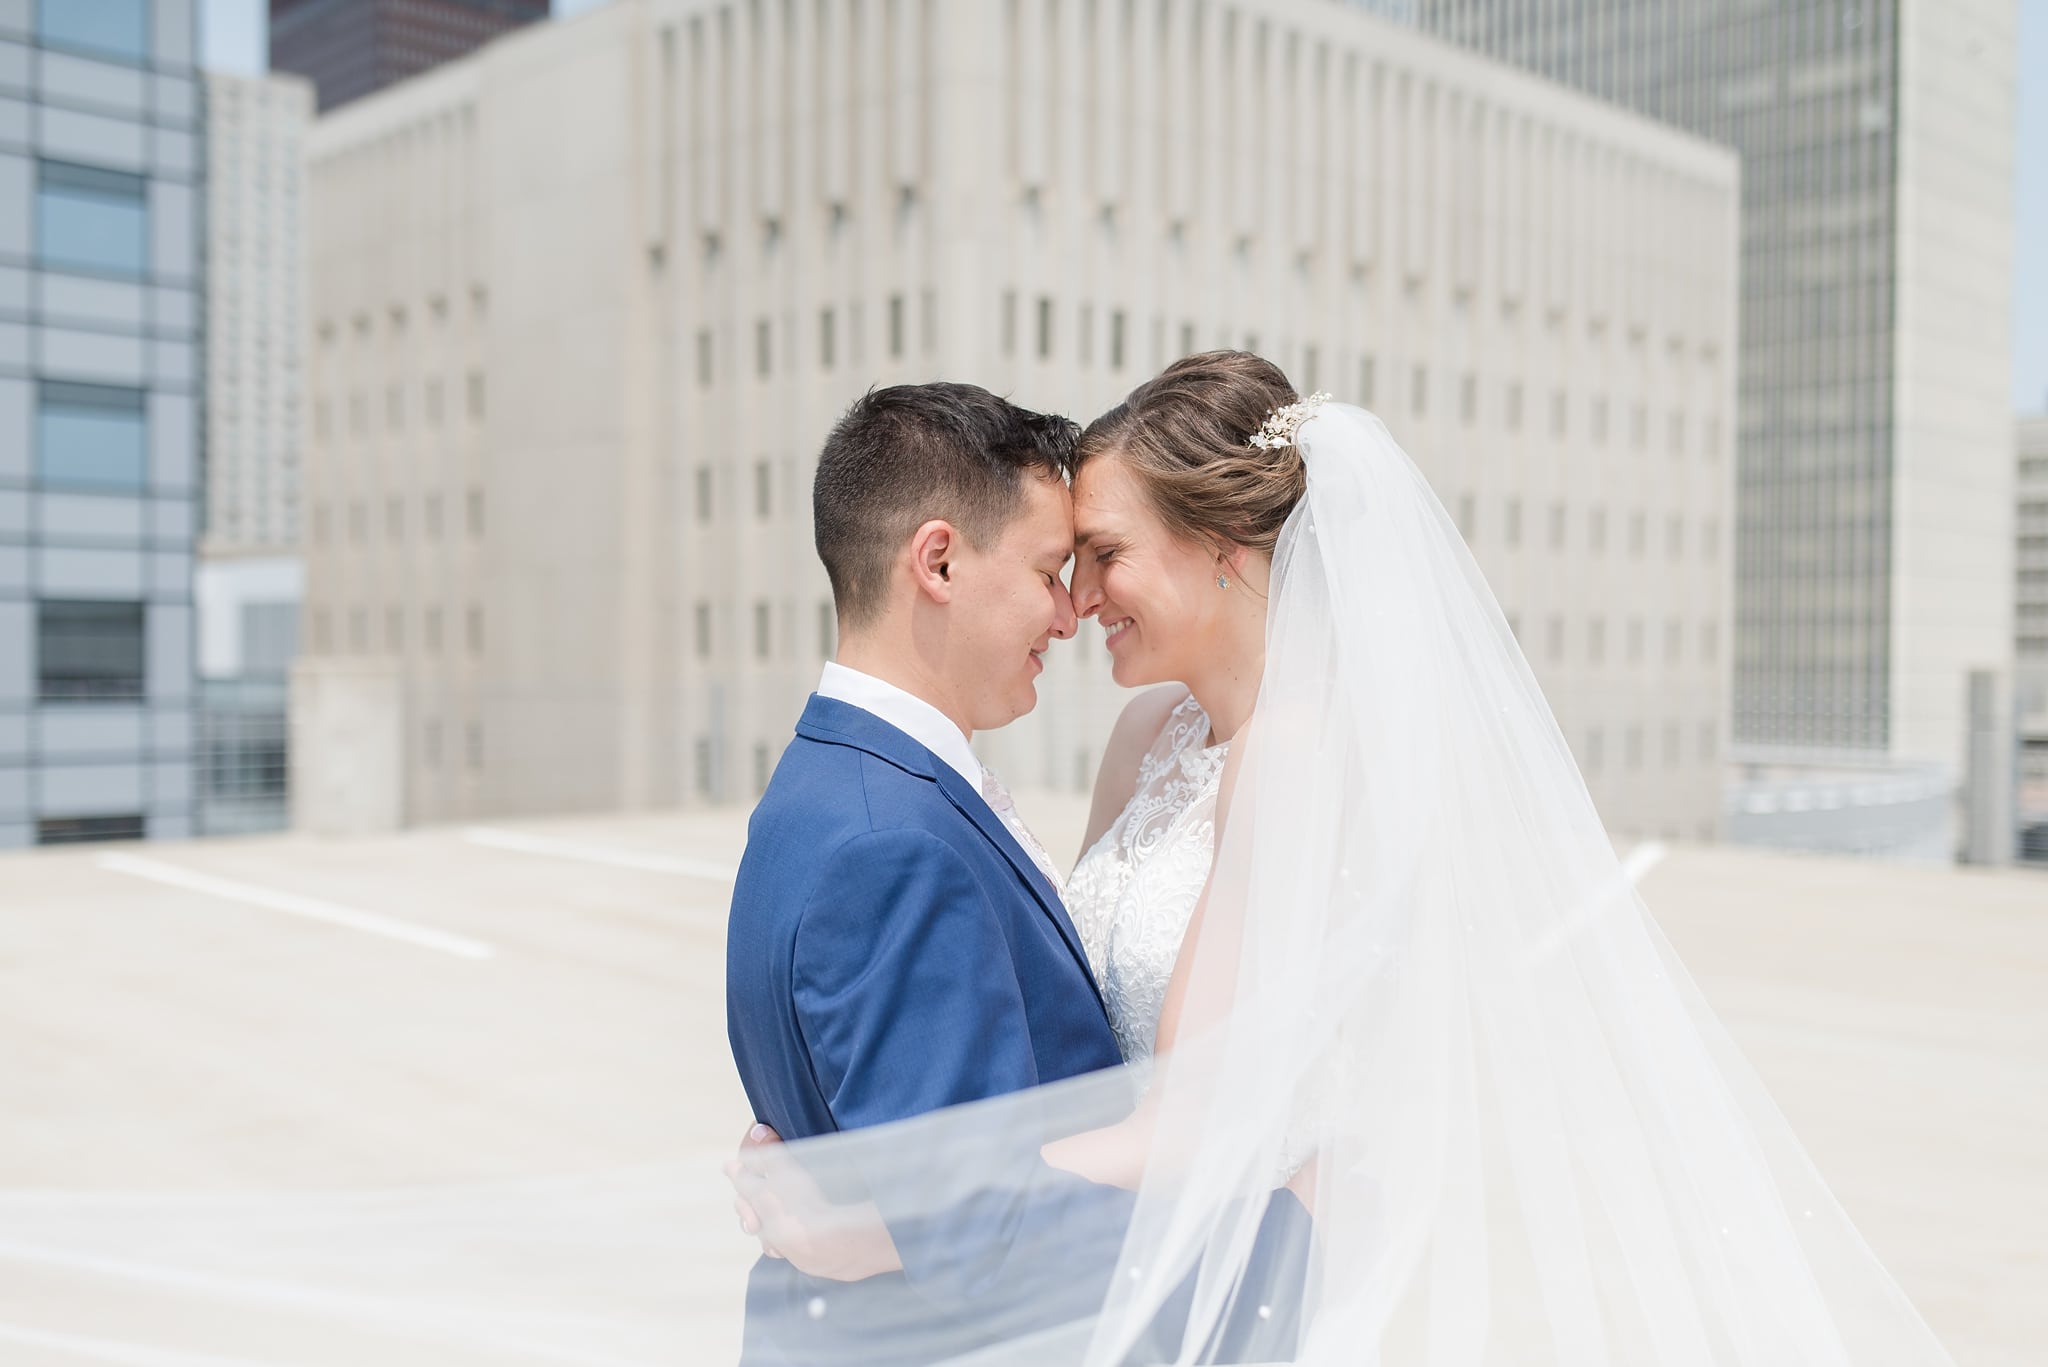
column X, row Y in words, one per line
column 585, row 304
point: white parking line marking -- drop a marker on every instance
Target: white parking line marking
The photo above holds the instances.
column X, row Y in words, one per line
column 122, row 1353
column 610, row 855
column 1641, row 860
column 310, row 908
column 1604, row 902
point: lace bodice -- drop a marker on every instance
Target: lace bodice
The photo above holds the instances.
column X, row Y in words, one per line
column 1131, row 895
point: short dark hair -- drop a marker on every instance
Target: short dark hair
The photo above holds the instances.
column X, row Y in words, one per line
column 910, row 453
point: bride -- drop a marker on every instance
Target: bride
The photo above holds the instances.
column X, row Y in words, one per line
column 1360, row 933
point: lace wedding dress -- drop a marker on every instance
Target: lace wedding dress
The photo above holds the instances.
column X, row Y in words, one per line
column 1131, row 895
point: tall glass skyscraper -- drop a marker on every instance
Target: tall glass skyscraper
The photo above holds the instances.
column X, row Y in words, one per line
column 1876, row 145
column 101, row 168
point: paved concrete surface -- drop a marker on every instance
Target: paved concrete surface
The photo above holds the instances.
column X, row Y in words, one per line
column 455, row 1019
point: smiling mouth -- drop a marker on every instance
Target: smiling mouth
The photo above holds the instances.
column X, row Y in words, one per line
column 1112, row 632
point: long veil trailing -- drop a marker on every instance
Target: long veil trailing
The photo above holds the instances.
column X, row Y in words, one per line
column 1423, row 999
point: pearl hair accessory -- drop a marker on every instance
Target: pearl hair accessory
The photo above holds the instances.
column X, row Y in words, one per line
column 1282, row 423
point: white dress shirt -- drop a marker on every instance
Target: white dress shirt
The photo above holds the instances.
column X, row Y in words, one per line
column 907, row 712
column 935, row 731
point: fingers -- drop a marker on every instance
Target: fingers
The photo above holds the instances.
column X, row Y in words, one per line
column 759, row 1135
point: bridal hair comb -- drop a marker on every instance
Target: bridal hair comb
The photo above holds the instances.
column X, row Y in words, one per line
column 1282, row 423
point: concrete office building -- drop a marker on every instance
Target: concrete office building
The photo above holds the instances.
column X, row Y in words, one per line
column 585, row 305
column 2030, row 618
column 250, row 581
column 255, row 295
column 1873, row 560
column 101, row 320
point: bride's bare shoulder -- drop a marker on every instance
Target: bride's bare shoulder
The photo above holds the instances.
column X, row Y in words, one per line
column 1144, row 717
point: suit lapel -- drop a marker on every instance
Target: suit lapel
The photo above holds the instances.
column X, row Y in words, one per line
column 828, row 719
column 975, row 808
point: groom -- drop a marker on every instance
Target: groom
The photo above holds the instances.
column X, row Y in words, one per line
column 897, row 942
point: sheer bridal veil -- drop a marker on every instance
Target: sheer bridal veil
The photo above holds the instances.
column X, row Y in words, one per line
column 1423, row 995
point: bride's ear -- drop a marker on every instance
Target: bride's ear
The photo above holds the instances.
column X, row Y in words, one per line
column 932, row 548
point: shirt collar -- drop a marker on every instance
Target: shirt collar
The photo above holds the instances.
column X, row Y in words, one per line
column 907, row 712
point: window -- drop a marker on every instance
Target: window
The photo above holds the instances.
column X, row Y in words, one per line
column 828, row 630
column 476, row 631
column 1468, row 514
column 1638, row 525
column 394, row 408
column 1557, row 520
column 764, row 489
column 703, row 630
column 92, row 220
column 433, row 517
column 1596, row 640
column 1116, row 340
column 73, row 830
column 1560, row 413
column 1511, row 526
column 394, row 519
column 1187, row 341
column 1511, row 407
column 107, row 28
column 1632, row 746
column 1084, row 337
column 761, row 631
column 1596, row 530
column 1045, row 327
column 89, row 651
column 1365, row 379
column 91, row 436
column 1009, row 323
column 1468, row 398
column 476, row 512
column 433, row 630
column 704, row 358
column 703, row 766
column 476, row 396
column 703, row 493
column 825, row 338
column 476, row 745
column 1308, row 370
column 1599, row 422
column 433, row 402
column 1555, row 642
column 764, row 347
column 1418, row 391
column 895, row 327
column 760, row 769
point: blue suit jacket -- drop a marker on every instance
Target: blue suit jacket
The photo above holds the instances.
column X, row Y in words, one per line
column 891, row 949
